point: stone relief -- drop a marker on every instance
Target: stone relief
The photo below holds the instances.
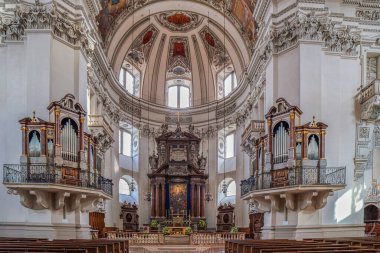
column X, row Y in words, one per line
column 215, row 49
column 40, row 16
column 368, row 14
column 311, row 26
column 142, row 46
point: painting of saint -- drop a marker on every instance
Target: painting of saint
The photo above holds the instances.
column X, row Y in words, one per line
column 243, row 11
column 110, row 10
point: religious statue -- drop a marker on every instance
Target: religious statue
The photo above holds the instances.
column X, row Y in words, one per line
column 164, row 128
column 153, row 161
column 201, row 162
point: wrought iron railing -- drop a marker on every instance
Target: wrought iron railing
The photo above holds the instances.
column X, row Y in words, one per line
column 49, row 174
column 296, row 176
column 247, row 185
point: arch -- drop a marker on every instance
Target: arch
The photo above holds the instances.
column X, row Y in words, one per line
column 230, row 196
column 371, row 213
column 125, row 193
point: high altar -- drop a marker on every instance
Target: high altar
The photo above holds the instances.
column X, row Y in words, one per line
column 178, row 179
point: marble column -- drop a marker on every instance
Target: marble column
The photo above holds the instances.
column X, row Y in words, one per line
column 163, row 200
column 153, row 209
column 192, row 199
column 157, row 209
column 202, row 201
column 199, row 200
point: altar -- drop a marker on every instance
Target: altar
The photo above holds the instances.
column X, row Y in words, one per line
column 178, row 179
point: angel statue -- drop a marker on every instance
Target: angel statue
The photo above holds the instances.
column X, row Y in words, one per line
column 201, row 161
column 153, row 161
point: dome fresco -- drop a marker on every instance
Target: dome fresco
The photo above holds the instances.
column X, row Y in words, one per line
column 197, row 48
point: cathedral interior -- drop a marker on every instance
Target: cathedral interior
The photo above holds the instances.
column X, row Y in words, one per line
column 189, row 126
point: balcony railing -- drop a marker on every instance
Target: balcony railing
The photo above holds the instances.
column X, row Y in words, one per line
column 256, row 126
column 99, row 121
column 247, row 185
column 297, row 176
column 49, row 174
column 367, row 92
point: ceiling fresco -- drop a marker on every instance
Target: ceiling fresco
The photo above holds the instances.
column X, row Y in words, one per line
column 179, row 21
column 240, row 10
column 142, row 46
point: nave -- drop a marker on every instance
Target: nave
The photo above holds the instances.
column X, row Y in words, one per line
column 339, row 245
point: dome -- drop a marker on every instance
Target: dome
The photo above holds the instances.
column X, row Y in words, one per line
column 178, row 53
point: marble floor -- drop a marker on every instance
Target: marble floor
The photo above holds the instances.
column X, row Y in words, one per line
column 175, row 248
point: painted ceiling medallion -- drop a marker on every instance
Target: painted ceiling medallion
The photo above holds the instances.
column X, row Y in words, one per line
column 215, row 49
column 179, row 58
column 142, row 45
column 179, row 21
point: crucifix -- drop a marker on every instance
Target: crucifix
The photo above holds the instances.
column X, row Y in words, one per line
column 178, row 115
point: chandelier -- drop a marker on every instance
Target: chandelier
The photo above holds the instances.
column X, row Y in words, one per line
column 208, row 195
column 148, row 194
column 224, row 187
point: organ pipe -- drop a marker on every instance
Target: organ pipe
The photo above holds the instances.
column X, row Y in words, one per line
column 280, row 147
column 69, row 140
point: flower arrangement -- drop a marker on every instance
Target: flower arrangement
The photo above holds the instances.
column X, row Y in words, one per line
column 202, row 224
column 166, row 231
column 233, row 230
column 188, row 231
column 154, row 224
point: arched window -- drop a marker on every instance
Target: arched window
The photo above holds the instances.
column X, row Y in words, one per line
column 229, row 146
column 125, row 143
column 127, row 80
column 230, row 196
column 124, row 187
column 231, row 190
column 125, row 192
column 178, row 96
column 229, row 83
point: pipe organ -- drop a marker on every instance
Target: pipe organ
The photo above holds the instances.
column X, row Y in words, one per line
column 62, row 142
column 69, row 140
column 287, row 145
column 281, row 143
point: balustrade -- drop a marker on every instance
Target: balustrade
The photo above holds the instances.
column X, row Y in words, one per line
column 296, row 176
column 214, row 238
column 49, row 174
column 137, row 238
column 211, row 238
column 367, row 92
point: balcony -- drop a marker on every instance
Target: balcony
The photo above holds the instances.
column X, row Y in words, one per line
column 41, row 185
column 298, row 187
column 102, row 130
column 250, row 134
column 368, row 99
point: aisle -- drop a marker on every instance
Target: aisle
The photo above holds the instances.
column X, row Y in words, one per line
column 176, row 248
